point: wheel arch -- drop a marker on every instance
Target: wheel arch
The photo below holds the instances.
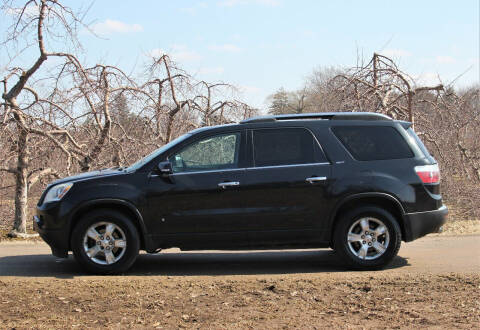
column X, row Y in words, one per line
column 118, row 205
column 382, row 200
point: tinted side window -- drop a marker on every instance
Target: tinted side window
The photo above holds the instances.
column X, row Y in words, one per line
column 373, row 142
column 285, row 146
column 212, row 153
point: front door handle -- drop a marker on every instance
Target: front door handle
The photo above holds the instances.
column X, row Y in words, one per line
column 225, row 185
column 314, row 179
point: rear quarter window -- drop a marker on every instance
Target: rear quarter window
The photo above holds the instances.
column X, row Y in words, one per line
column 373, row 142
column 285, row 146
column 419, row 142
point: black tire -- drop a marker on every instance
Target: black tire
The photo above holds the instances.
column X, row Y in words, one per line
column 124, row 226
column 346, row 250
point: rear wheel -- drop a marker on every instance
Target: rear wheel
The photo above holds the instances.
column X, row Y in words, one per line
column 367, row 237
column 105, row 242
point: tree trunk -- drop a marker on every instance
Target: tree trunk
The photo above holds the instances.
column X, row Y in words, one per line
column 168, row 134
column 21, row 183
column 410, row 108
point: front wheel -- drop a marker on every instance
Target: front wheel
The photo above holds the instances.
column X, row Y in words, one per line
column 367, row 238
column 105, row 242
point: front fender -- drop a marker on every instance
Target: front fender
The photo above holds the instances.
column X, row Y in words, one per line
column 117, row 204
column 105, row 202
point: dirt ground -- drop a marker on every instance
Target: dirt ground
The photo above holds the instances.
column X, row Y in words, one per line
column 280, row 302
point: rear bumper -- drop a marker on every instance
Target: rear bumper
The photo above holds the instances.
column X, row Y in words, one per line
column 419, row 224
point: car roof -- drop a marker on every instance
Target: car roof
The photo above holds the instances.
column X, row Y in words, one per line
column 319, row 115
column 272, row 120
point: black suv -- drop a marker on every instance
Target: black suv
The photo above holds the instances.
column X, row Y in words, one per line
column 356, row 182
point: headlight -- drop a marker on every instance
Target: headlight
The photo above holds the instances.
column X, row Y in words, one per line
column 57, row 192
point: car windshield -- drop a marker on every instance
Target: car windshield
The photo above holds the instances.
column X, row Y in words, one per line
column 135, row 166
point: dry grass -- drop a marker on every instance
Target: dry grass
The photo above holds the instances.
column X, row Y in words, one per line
column 461, row 227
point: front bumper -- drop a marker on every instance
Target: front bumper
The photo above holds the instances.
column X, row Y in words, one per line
column 56, row 235
column 419, row 224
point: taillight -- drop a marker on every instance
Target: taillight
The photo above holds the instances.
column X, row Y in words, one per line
column 428, row 173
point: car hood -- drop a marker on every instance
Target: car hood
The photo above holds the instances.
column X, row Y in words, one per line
column 90, row 175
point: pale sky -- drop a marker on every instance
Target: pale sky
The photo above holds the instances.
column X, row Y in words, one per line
column 261, row 45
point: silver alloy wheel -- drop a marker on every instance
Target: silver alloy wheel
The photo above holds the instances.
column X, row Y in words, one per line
column 368, row 238
column 104, row 243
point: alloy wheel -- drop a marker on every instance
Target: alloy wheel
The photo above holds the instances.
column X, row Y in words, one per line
column 368, row 238
column 104, row 243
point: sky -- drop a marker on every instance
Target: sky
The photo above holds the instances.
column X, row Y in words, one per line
column 262, row 45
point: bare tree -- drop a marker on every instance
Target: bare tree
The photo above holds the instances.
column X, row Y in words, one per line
column 321, row 90
column 212, row 109
column 450, row 126
column 42, row 18
column 48, row 118
column 381, row 86
column 177, row 102
column 167, row 95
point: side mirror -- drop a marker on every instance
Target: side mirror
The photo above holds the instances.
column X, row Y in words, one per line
column 165, row 168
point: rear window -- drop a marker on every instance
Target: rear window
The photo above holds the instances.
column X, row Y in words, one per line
column 285, row 146
column 373, row 142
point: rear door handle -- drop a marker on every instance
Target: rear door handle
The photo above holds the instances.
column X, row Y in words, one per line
column 314, row 179
column 225, row 185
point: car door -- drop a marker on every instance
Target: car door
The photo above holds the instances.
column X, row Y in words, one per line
column 288, row 183
column 203, row 195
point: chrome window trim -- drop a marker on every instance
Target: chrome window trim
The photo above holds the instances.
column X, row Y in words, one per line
column 250, row 168
column 291, row 165
column 210, row 171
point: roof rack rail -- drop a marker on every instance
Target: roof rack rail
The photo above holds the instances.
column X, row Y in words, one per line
column 319, row 115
